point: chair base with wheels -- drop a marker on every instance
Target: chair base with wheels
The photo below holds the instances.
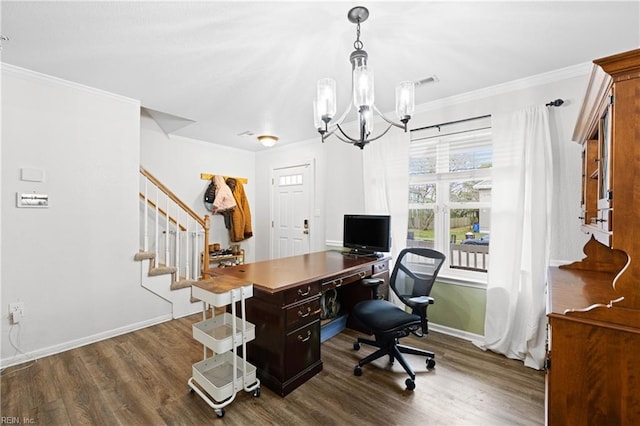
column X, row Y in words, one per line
column 412, row 278
column 389, row 323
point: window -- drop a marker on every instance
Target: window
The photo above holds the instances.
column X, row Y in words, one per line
column 450, row 195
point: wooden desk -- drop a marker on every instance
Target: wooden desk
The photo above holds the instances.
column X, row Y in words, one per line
column 285, row 309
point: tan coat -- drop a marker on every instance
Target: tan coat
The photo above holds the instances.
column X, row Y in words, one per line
column 240, row 216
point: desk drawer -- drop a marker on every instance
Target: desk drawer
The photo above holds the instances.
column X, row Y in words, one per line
column 345, row 279
column 302, row 314
column 381, row 267
column 302, row 349
column 302, row 292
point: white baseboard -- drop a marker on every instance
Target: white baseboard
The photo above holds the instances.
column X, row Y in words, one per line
column 461, row 334
column 52, row 350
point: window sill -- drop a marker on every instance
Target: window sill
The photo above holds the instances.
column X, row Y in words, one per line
column 461, row 281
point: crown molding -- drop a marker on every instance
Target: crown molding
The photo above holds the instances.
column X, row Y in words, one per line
column 578, row 70
column 20, row 72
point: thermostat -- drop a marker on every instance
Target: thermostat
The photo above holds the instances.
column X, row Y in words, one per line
column 32, row 200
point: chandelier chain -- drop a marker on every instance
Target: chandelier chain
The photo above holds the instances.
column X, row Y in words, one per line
column 358, row 44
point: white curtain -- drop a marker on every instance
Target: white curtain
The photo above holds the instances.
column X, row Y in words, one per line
column 385, row 166
column 519, row 252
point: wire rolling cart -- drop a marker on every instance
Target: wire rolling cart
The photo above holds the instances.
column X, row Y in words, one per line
column 218, row 378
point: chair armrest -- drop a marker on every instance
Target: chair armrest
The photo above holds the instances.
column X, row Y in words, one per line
column 421, row 301
column 374, row 283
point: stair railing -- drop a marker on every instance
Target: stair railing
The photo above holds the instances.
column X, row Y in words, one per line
column 172, row 230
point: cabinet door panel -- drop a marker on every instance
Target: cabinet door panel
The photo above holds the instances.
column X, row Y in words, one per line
column 302, row 349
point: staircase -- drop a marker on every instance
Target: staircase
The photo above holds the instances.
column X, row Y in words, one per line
column 174, row 244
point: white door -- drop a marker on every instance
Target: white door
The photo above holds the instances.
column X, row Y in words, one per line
column 291, row 211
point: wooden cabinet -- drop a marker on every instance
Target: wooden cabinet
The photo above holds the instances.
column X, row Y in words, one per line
column 594, row 304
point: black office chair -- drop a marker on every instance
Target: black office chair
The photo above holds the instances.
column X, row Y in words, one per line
column 413, row 275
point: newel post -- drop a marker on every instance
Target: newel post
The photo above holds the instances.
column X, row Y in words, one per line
column 205, row 253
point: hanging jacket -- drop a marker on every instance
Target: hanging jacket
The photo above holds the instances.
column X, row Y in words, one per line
column 224, row 200
column 210, row 196
column 240, row 216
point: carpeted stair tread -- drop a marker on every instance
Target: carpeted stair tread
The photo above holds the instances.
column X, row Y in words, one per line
column 144, row 255
column 182, row 283
column 162, row 270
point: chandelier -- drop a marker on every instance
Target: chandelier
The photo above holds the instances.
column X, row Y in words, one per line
column 324, row 105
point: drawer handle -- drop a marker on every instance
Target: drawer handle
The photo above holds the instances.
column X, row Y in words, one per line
column 338, row 282
column 362, row 274
column 304, row 315
column 304, row 339
column 301, row 293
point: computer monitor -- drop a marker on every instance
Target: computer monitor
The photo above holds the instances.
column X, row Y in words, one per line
column 367, row 234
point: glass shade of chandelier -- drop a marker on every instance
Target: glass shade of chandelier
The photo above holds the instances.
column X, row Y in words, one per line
column 324, row 105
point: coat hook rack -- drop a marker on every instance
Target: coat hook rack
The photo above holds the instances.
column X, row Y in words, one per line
column 209, row 176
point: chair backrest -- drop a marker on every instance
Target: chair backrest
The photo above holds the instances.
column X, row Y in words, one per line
column 415, row 272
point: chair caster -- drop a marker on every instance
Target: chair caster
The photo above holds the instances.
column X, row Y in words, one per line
column 357, row 371
column 431, row 363
column 411, row 385
column 356, row 346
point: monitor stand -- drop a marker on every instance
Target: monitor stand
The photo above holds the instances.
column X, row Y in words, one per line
column 362, row 253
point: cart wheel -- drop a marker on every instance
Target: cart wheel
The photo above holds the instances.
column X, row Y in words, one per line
column 431, row 363
column 411, row 385
column 357, row 371
column 356, row 346
column 256, row 393
column 191, row 390
column 220, row 412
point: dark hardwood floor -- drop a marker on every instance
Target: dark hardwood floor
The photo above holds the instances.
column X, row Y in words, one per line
column 140, row 378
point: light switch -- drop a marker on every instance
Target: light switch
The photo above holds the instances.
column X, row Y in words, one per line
column 31, row 175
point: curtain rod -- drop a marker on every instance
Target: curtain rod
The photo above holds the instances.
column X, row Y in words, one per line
column 451, row 122
column 555, row 103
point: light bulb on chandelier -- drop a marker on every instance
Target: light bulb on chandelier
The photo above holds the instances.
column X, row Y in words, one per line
column 324, row 105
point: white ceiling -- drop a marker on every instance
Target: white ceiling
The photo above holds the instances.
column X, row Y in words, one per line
column 235, row 67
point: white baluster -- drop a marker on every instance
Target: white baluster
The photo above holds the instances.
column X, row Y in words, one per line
column 187, row 264
column 157, row 220
column 166, row 234
column 177, row 244
column 146, row 214
column 196, row 248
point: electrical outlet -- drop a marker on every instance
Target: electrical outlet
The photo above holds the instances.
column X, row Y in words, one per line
column 16, row 312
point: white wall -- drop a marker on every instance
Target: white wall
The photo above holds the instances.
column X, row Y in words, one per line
column 178, row 161
column 72, row 263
